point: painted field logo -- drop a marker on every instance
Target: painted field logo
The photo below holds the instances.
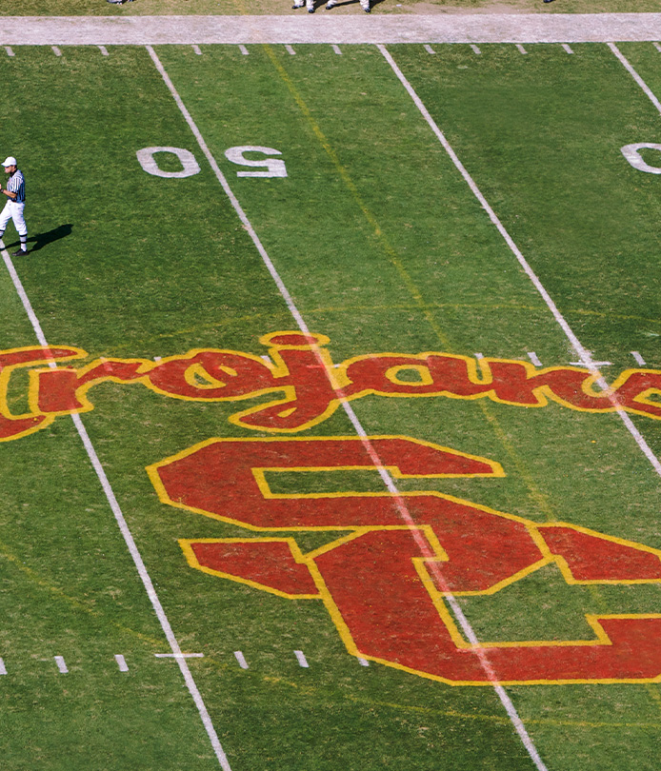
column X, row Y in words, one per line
column 385, row 599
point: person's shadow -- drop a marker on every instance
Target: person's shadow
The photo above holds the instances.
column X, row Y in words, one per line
column 43, row 239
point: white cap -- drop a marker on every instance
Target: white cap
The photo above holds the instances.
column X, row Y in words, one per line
column 11, row 161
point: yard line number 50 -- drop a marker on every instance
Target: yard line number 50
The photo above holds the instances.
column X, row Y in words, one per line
column 264, row 165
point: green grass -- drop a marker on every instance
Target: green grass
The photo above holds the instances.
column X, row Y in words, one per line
column 384, row 249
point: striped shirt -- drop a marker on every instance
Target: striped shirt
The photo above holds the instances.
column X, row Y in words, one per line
column 16, row 185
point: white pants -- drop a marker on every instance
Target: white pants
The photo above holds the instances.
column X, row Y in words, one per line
column 13, row 211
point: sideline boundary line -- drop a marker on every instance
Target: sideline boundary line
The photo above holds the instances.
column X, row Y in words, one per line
column 385, row 475
column 385, row 29
column 583, row 353
column 124, row 529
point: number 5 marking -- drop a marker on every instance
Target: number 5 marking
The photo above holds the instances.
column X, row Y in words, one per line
column 274, row 167
column 378, row 588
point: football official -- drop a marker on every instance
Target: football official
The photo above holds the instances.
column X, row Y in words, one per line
column 15, row 192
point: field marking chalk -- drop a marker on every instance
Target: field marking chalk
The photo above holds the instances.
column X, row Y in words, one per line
column 9, row 51
column 179, row 655
column 475, row 49
column 238, row 655
column 337, row 49
column 61, row 665
column 638, row 358
column 635, row 76
column 657, row 46
column 383, row 472
column 429, row 49
column 567, row 48
column 302, row 661
column 124, row 529
column 56, row 51
column 3, row 668
column 121, row 663
column 534, row 358
column 196, row 49
column 583, row 354
column 478, row 356
column 363, row 662
column 521, row 49
column 103, row 50
column 290, row 50
column 243, row 50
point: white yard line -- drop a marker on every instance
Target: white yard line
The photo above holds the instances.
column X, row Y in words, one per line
column 635, row 76
column 329, row 28
column 584, row 355
column 389, row 483
column 126, row 533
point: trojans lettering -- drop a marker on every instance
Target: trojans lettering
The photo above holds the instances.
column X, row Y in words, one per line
column 305, row 386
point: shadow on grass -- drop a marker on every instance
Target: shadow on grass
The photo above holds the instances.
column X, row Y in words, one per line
column 43, row 239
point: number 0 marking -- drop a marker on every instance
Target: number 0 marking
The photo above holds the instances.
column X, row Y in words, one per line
column 632, row 154
column 274, row 166
column 189, row 165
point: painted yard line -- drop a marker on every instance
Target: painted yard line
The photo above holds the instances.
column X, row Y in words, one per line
column 103, row 50
column 3, row 668
column 423, row 545
column 337, row 49
column 9, row 51
column 534, row 358
column 567, row 48
column 290, row 50
column 363, row 662
column 121, row 663
column 124, row 529
column 56, row 51
column 429, row 49
column 416, row 28
column 521, row 49
column 61, row 665
column 238, row 655
column 657, row 46
column 476, row 49
column 583, row 354
column 635, row 76
column 196, row 50
column 638, row 358
column 243, row 50
column 302, row 661
column 179, row 655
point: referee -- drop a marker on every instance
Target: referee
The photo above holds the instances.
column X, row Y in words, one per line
column 15, row 192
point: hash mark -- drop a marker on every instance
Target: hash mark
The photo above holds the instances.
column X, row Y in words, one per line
column 567, row 48
column 476, row 49
column 303, row 662
column 103, row 50
column 243, row 50
column 363, row 662
column 534, row 358
column 61, row 664
column 121, row 663
column 657, row 46
column 290, row 50
column 337, row 50
column 238, row 655
column 56, row 51
column 3, row 668
column 521, row 49
column 639, row 359
column 9, row 51
column 429, row 50
column 196, row 49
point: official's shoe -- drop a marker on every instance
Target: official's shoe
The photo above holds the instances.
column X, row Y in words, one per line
column 331, row 4
column 298, row 4
column 310, row 6
column 365, row 5
column 20, row 253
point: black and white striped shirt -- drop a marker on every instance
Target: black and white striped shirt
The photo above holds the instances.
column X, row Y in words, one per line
column 16, row 184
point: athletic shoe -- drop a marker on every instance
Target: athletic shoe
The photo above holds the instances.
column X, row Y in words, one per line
column 331, row 4
column 310, row 6
column 365, row 5
column 298, row 4
column 19, row 253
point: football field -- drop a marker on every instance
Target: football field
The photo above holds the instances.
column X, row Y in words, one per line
column 330, row 408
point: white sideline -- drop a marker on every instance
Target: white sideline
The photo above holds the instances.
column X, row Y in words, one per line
column 385, row 475
column 126, row 533
column 583, row 354
column 329, row 28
